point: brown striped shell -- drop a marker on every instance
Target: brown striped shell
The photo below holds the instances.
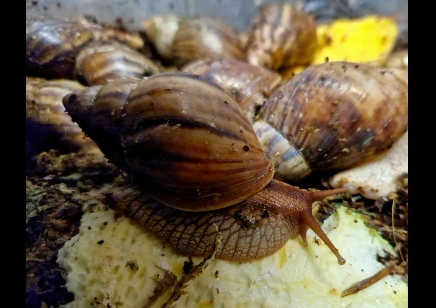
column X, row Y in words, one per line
column 51, row 47
column 282, row 34
column 99, row 63
column 333, row 115
column 179, row 40
column 182, row 137
column 48, row 126
column 249, row 84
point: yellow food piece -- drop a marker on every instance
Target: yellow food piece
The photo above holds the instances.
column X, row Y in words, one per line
column 118, row 264
column 367, row 40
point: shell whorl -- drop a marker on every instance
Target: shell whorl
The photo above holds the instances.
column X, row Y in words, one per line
column 99, row 63
column 282, row 34
column 182, row 137
column 339, row 114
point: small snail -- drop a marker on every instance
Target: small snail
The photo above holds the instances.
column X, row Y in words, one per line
column 52, row 46
column 179, row 40
column 48, row 126
column 103, row 62
column 186, row 143
column 282, row 34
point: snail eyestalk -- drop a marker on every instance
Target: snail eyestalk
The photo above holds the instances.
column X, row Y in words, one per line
column 313, row 224
column 298, row 207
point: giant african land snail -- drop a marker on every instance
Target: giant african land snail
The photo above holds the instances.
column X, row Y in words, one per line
column 187, row 144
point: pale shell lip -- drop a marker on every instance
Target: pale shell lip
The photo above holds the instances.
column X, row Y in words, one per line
column 377, row 178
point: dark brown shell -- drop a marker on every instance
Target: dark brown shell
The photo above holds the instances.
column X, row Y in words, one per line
column 182, row 137
column 282, row 34
column 249, row 84
column 339, row 114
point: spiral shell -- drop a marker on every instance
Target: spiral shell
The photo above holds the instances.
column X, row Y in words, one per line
column 336, row 115
column 282, row 34
column 51, row 47
column 101, row 63
column 249, row 84
column 48, row 126
column 182, row 137
column 179, row 40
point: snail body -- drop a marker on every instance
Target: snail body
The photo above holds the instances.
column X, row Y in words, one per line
column 187, row 144
column 249, row 230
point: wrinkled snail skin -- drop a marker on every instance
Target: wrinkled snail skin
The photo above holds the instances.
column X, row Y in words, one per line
column 336, row 115
column 249, row 230
column 186, row 143
column 282, row 34
column 179, row 40
column 249, row 84
column 100, row 63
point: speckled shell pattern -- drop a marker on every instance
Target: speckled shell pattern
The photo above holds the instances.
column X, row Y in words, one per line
column 182, row 137
column 338, row 114
column 282, row 34
column 249, row 84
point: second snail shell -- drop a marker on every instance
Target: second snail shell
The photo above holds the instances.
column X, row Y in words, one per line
column 337, row 114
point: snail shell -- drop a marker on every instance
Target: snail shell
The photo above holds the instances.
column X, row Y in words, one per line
column 48, row 126
column 250, row 85
column 99, row 63
column 51, row 47
column 282, row 34
column 335, row 115
column 179, row 40
column 180, row 135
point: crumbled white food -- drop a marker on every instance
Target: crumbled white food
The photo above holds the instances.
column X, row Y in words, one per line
column 377, row 178
column 99, row 261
